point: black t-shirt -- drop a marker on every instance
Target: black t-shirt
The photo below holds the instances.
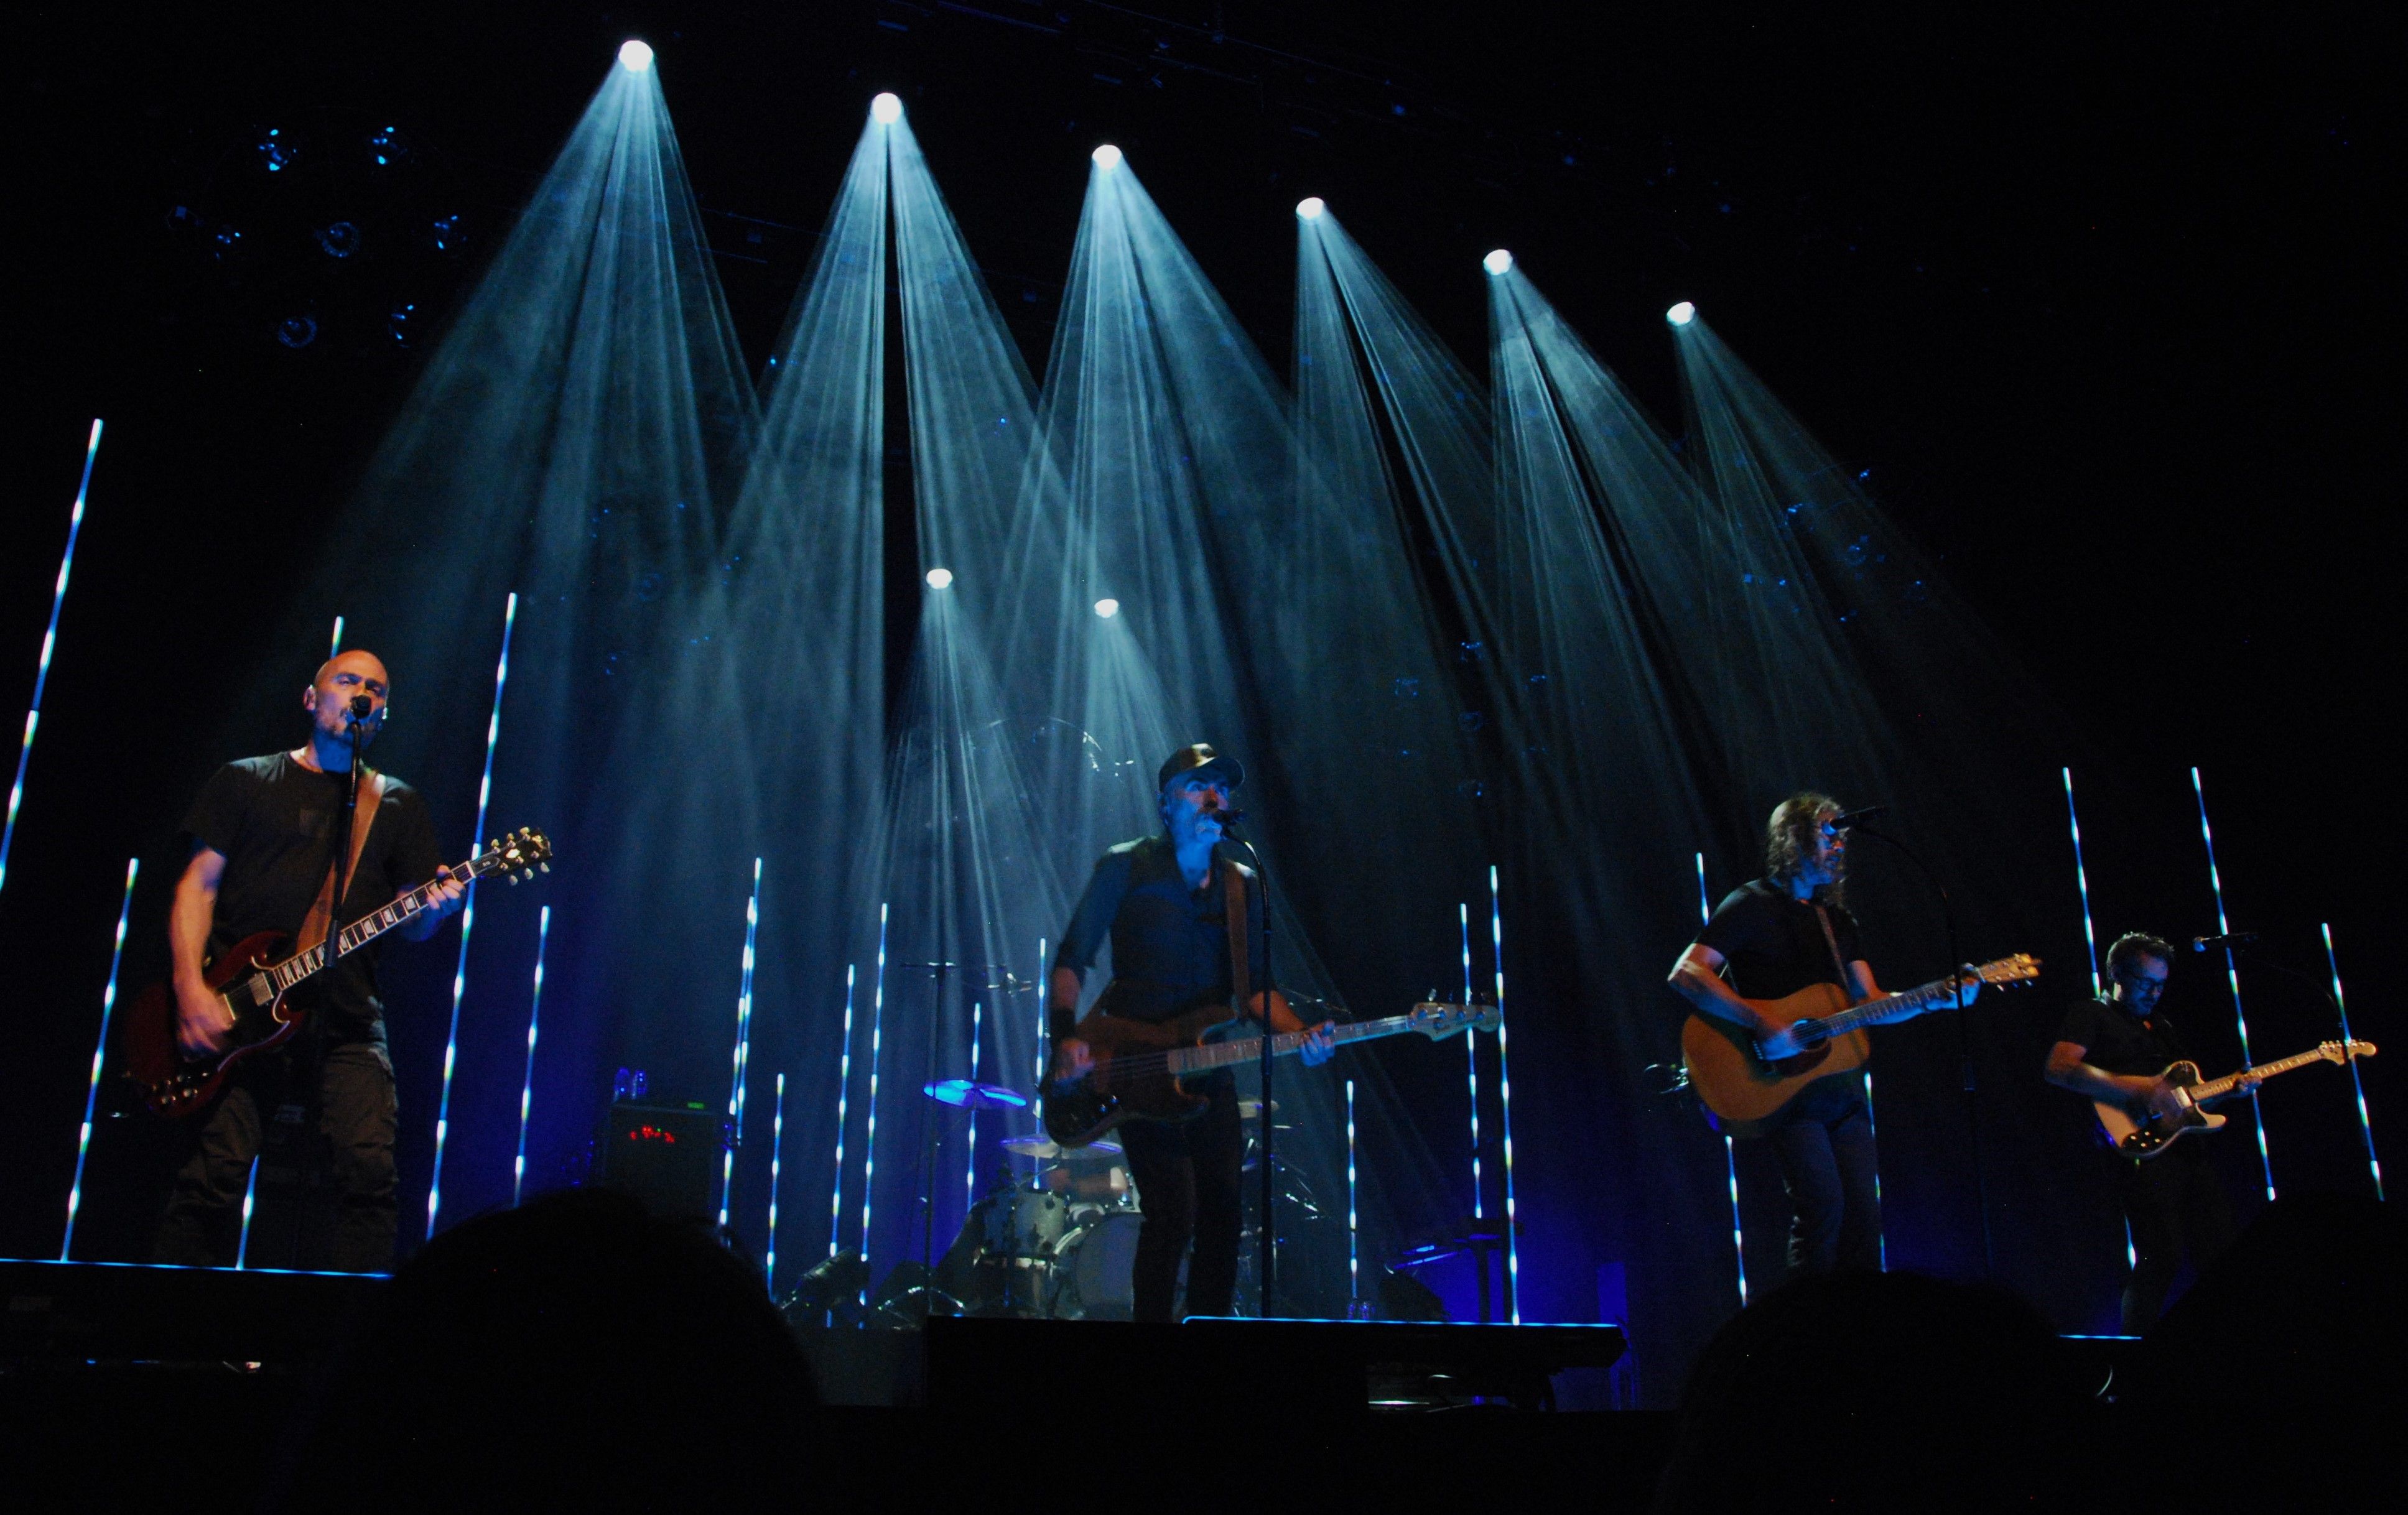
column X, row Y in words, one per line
column 2115, row 1040
column 275, row 821
column 1772, row 944
column 1170, row 943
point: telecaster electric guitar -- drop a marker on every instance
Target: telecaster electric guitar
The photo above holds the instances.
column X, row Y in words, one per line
column 1745, row 1088
column 255, row 976
column 2148, row 1138
column 1138, row 1064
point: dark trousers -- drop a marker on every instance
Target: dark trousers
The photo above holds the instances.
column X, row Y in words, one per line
column 1188, row 1179
column 1824, row 1145
column 2177, row 1207
column 349, row 1082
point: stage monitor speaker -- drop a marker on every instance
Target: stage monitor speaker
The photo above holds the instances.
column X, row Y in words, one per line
column 669, row 1156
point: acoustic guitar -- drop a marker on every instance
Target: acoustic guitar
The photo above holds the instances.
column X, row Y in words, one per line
column 1138, row 1064
column 1745, row 1088
column 257, row 977
column 2147, row 1137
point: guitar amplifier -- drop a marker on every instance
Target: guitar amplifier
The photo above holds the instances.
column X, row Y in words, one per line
column 669, row 1156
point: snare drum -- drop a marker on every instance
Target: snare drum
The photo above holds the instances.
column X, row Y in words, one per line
column 1025, row 1222
column 1093, row 1267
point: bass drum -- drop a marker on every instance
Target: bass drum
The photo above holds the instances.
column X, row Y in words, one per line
column 1093, row 1267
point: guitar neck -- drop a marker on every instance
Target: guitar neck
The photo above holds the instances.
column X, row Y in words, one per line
column 1889, row 1007
column 1224, row 1054
column 2216, row 1089
column 368, row 928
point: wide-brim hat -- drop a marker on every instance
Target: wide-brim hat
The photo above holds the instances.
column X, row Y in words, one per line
column 1199, row 757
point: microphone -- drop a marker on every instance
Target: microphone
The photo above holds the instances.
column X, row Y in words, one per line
column 360, row 706
column 2231, row 938
column 1226, row 818
column 1847, row 819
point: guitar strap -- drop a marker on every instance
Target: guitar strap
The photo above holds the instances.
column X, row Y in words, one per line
column 1831, row 939
column 322, row 909
column 1233, row 890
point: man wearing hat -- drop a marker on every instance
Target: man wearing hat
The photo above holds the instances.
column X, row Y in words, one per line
column 1164, row 903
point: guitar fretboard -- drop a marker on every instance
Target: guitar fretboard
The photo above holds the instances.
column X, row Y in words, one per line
column 1223, row 1054
column 368, row 928
column 1902, row 1006
column 2219, row 1087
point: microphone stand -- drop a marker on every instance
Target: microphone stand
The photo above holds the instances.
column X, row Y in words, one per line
column 1264, row 1242
column 1964, row 1043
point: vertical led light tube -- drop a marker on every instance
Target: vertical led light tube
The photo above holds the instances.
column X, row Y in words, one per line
column 1044, row 1036
column 100, row 1051
column 1731, row 1149
column 250, row 1193
column 468, row 919
column 743, row 1047
column 526, row 1089
column 776, row 1158
column 2232, row 981
column 2082, row 882
column 1354, row 1264
column 870, row 1136
column 49, row 642
column 1470, row 1057
column 2357, row 1084
column 334, row 643
column 969, row 1160
column 1505, row 1102
column 843, row 1086
column 1872, row 1129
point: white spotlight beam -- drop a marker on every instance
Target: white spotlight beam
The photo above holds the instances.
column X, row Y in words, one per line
column 634, row 56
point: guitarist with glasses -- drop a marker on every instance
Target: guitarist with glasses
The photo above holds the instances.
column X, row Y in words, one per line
column 2117, row 1050
column 1770, row 939
column 1175, row 911
column 269, row 840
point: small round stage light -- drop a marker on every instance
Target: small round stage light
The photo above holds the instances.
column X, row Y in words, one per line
column 939, row 578
column 886, row 110
column 1108, row 609
column 634, row 56
column 1311, row 209
column 1682, row 314
column 1498, row 262
column 1108, row 157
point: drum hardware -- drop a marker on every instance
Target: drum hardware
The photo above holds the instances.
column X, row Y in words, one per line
column 1044, row 1150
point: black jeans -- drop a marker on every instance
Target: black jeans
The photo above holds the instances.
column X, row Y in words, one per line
column 1825, row 1144
column 1188, row 1179
column 2176, row 1207
column 357, row 1111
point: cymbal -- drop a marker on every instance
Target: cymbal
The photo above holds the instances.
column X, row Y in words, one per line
column 968, row 1095
column 1044, row 1149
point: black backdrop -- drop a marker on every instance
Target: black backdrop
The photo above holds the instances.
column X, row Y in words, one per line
column 2104, row 304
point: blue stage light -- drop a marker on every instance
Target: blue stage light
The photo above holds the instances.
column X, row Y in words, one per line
column 339, row 239
column 1108, row 157
column 1310, row 207
column 296, row 331
column 939, row 578
column 1108, row 609
column 634, row 56
column 1498, row 262
column 886, row 110
column 387, row 147
column 446, row 230
column 276, row 152
column 1682, row 314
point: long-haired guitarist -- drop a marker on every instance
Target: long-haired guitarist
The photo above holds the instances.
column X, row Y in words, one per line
column 1163, row 903
column 2117, row 1050
column 1766, row 940
column 267, row 835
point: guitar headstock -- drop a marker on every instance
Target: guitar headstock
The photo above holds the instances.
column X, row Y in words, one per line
column 2021, row 968
column 517, row 855
column 2341, row 1052
column 1438, row 1019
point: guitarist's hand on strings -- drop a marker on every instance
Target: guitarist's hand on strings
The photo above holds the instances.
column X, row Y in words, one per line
column 1073, row 1060
column 202, row 1020
column 1321, row 1046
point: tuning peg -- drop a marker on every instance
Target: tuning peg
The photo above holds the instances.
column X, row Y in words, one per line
column 544, row 867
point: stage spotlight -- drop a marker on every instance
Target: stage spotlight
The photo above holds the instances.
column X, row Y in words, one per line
column 634, row 56
column 296, row 331
column 338, row 241
column 1108, row 157
column 939, row 578
column 1498, row 262
column 1682, row 314
column 886, row 110
column 1311, row 209
column 1108, row 609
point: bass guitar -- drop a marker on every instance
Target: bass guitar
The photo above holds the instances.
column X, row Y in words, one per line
column 2147, row 1137
column 1745, row 1088
column 1138, row 1064
column 257, row 977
